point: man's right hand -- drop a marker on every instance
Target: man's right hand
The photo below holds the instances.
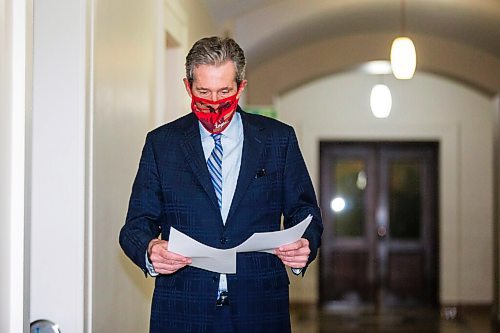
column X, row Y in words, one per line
column 164, row 261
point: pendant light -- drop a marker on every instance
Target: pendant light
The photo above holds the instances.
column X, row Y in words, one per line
column 403, row 54
column 381, row 101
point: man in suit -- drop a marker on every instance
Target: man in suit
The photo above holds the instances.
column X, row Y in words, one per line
column 219, row 175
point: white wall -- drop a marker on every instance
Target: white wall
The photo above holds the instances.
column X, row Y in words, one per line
column 96, row 95
column 58, row 163
column 15, row 41
column 5, row 164
column 123, row 112
column 425, row 108
column 125, row 107
column 174, row 53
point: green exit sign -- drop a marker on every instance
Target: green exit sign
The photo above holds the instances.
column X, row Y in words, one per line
column 267, row 111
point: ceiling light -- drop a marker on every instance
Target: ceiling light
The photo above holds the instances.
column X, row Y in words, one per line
column 377, row 67
column 381, row 101
column 403, row 58
column 403, row 54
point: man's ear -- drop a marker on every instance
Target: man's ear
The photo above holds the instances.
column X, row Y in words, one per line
column 187, row 86
column 242, row 86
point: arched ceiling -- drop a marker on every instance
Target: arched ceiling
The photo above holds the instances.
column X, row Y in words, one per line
column 269, row 29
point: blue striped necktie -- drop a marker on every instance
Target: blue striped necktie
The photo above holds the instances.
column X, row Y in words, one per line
column 214, row 164
column 215, row 167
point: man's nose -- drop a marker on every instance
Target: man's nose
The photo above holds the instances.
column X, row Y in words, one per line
column 213, row 96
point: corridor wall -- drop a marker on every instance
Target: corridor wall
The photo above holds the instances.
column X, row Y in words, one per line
column 95, row 89
column 428, row 107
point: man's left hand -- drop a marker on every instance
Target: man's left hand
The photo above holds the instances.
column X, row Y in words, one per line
column 294, row 255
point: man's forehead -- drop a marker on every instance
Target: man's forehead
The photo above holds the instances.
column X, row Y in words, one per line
column 202, row 80
column 226, row 67
column 200, row 86
column 226, row 63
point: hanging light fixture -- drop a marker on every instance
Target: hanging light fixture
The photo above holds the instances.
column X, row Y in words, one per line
column 403, row 54
column 381, row 101
column 403, row 58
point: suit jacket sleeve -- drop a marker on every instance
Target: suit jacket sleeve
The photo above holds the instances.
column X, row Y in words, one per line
column 144, row 212
column 300, row 199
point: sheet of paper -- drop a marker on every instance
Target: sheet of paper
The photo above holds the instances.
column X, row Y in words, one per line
column 203, row 256
column 224, row 261
column 268, row 241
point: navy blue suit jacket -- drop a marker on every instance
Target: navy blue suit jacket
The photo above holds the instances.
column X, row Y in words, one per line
column 173, row 188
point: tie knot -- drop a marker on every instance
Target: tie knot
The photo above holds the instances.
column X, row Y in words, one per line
column 216, row 137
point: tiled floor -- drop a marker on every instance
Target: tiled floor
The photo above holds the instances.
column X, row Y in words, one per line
column 309, row 320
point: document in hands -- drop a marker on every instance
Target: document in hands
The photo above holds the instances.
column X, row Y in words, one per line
column 202, row 256
column 224, row 261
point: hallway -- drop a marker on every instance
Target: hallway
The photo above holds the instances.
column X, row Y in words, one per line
column 82, row 82
column 307, row 320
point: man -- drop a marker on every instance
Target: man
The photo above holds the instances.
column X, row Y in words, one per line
column 219, row 175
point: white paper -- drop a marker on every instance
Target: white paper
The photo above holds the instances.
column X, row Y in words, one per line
column 203, row 256
column 224, row 260
column 269, row 241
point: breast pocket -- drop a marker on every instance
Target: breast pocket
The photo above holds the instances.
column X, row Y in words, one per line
column 265, row 191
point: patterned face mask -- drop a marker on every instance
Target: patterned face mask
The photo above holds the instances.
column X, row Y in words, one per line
column 214, row 115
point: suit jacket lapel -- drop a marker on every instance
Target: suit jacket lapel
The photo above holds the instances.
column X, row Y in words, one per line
column 193, row 151
column 253, row 145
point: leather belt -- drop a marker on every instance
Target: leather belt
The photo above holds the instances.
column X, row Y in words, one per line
column 223, row 299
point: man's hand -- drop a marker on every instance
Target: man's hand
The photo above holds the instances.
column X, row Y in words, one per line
column 164, row 261
column 294, row 255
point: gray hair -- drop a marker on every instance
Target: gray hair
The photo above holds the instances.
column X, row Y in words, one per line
column 216, row 51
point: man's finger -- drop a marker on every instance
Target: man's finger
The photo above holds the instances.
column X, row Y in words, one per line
column 295, row 245
column 168, row 258
column 295, row 264
column 161, row 249
column 304, row 251
column 303, row 258
column 167, row 266
column 290, row 247
column 174, row 256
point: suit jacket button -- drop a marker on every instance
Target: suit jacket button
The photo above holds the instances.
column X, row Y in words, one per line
column 223, row 240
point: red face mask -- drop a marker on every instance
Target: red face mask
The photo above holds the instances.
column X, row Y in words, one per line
column 214, row 115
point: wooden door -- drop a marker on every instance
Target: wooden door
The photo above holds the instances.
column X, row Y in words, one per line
column 380, row 240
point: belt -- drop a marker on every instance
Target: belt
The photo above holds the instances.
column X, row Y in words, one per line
column 223, row 299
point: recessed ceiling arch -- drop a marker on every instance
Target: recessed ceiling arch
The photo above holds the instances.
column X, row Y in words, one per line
column 460, row 62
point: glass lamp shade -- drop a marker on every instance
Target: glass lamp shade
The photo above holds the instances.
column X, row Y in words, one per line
column 381, row 101
column 403, row 58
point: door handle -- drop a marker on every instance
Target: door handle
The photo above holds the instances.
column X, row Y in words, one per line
column 44, row 326
column 381, row 231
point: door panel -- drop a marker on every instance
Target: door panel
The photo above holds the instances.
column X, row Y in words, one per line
column 404, row 199
column 408, row 193
column 348, row 217
column 378, row 204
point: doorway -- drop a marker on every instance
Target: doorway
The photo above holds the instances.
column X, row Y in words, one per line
column 379, row 205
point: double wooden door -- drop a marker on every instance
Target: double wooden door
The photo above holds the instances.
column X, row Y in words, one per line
column 379, row 205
